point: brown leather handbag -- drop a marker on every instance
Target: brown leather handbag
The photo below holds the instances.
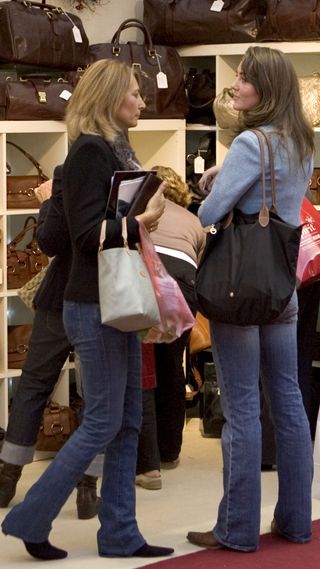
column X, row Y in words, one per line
column 164, row 94
column 57, row 425
column 18, row 344
column 20, row 189
column 288, row 20
column 41, row 34
column 199, row 339
column 314, row 187
column 24, row 264
column 178, row 22
column 34, row 97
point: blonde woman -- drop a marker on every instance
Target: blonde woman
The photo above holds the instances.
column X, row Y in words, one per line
column 105, row 103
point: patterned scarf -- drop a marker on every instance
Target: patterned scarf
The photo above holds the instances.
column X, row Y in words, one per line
column 124, row 153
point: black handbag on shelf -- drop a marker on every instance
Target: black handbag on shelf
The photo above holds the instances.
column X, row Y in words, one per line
column 165, row 96
column 247, row 273
column 200, row 87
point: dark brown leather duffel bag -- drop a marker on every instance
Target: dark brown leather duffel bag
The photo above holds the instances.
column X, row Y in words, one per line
column 34, row 97
column 41, row 34
column 288, row 20
column 179, row 22
column 164, row 95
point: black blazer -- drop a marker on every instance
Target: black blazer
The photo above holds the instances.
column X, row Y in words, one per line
column 53, row 239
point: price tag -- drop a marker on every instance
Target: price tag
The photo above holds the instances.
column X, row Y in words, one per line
column 217, row 6
column 77, row 34
column 65, row 95
column 162, row 80
column 198, row 165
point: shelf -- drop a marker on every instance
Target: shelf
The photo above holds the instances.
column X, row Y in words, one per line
column 21, row 127
column 159, row 125
column 200, row 127
column 154, row 141
column 240, row 48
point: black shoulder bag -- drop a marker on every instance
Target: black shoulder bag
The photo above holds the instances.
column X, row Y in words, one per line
column 247, row 273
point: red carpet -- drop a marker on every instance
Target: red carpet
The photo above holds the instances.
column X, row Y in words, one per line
column 274, row 553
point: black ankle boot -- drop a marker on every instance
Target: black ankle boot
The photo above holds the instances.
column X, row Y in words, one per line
column 9, row 476
column 88, row 502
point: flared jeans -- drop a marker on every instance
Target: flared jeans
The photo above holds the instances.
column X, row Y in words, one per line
column 111, row 376
column 238, row 352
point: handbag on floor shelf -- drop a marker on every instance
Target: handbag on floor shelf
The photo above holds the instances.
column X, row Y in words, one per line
column 57, row 425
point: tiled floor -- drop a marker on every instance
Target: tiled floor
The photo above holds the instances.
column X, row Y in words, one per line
column 188, row 501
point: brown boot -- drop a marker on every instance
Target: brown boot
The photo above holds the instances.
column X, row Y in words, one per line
column 88, row 503
column 9, row 476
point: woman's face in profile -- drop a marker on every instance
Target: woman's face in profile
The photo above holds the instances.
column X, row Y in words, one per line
column 245, row 96
column 131, row 106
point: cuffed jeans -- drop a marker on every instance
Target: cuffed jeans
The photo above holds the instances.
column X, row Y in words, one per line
column 237, row 353
column 111, row 375
column 48, row 350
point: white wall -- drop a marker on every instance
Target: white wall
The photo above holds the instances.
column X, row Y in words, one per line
column 101, row 23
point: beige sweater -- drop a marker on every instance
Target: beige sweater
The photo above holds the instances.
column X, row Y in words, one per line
column 181, row 230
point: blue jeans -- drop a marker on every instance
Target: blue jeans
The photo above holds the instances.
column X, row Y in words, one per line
column 238, row 352
column 111, row 376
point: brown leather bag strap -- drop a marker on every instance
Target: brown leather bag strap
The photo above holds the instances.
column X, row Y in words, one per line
column 133, row 23
column 27, row 227
column 29, row 157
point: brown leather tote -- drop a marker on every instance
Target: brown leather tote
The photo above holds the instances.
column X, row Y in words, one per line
column 41, row 34
column 18, row 344
column 148, row 60
column 179, row 22
column 24, row 264
column 20, row 189
column 57, row 425
column 288, row 20
column 34, row 97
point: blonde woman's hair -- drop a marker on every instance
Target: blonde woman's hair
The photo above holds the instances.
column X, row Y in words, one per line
column 177, row 190
column 274, row 78
column 97, row 98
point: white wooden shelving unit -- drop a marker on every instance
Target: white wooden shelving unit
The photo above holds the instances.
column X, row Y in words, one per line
column 155, row 142
column 224, row 59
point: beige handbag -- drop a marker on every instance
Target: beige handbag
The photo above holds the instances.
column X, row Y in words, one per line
column 225, row 114
column 127, row 299
column 310, row 96
column 28, row 291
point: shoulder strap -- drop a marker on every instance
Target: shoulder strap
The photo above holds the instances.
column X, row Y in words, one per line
column 264, row 211
column 32, row 160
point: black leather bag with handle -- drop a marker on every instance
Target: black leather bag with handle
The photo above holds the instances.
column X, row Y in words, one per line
column 247, row 273
column 148, row 60
column 200, row 87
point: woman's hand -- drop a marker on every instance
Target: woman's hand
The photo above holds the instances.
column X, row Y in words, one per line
column 207, row 178
column 154, row 210
column 44, row 191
